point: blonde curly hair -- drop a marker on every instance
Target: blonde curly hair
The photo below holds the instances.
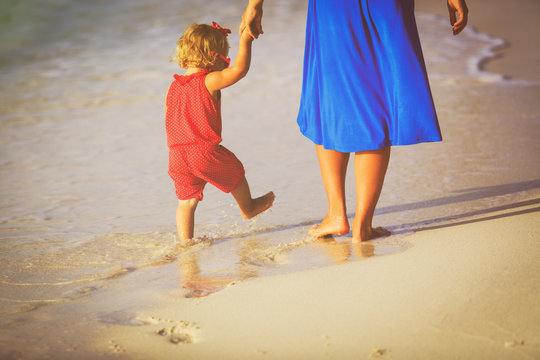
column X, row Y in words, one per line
column 199, row 45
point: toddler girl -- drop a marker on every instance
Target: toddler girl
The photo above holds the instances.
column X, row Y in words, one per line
column 193, row 124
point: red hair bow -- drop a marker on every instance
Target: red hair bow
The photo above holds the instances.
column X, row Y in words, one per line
column 223, row 30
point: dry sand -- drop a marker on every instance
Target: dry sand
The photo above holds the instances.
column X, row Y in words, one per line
column 467, row 289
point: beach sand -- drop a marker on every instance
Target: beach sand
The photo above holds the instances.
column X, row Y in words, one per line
column 467, row 288
column 457, row 280
column 463, row 292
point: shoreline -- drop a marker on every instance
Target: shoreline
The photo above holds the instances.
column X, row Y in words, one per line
column 513, row 21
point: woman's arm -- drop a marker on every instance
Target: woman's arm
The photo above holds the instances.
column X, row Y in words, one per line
column 217, row 80
column 460, row 7
column 251, row 19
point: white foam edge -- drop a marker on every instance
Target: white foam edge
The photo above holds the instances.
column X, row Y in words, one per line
column 484, row 54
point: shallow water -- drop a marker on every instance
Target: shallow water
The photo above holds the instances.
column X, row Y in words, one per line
column 85, row 196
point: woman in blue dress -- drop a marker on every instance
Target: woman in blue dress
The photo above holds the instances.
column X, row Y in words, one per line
column 364, row 90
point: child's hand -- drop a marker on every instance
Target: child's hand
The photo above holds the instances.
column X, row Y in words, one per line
column 245, row 36
column 217, row 80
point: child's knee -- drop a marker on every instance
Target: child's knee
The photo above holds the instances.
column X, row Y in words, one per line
column 188, row 204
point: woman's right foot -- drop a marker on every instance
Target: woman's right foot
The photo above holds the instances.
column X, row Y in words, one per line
column 331, row 225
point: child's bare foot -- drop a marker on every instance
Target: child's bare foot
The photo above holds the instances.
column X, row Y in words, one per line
column 184, row 243
column 331, row 225
column 259, row 205
column 373, row 234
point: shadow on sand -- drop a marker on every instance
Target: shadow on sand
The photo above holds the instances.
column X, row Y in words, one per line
column 465, row 195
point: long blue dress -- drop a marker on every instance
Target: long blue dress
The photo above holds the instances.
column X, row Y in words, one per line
column 365, row 85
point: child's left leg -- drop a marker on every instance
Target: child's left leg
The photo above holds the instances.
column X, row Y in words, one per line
column 250, row 207
column 185, row 219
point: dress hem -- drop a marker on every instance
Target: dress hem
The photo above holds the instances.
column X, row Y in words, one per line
column 370, row 147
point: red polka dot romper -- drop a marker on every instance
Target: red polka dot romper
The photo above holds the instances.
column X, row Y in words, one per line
column 193, row 125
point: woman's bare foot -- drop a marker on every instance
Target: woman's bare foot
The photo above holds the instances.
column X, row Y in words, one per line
column 259, row 205
column 331, row 225
column 373, row 234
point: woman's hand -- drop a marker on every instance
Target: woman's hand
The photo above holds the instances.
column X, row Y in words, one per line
column 251, row 19
column 459, row 7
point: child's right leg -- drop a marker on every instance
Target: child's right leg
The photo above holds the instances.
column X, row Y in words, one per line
column 185, row 219
column 250, row 207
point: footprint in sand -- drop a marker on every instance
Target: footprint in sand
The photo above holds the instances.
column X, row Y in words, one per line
column 115, row 347
column 377, row 353
column 181, row 332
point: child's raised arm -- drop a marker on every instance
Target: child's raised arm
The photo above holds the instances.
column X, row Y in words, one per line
column 217, row 80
